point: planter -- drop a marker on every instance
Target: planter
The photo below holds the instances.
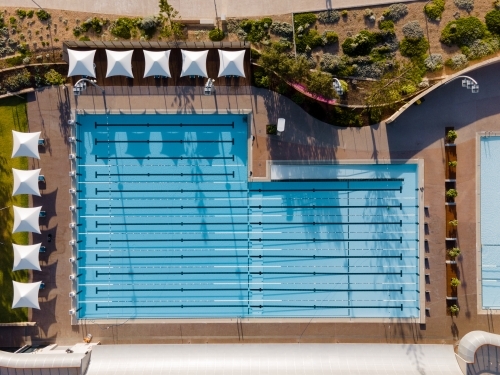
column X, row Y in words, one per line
column 451, row 155
column 451, row 214
column 451, row 272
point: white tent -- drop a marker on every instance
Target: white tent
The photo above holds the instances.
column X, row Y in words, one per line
column 119, row 63
column 26, row 295
column 26, row 257
column 156, row 63
column 194, row 63
column 81, row 63
column 26, row 182
column 25, row 144
column 231, row 63
column 26, row 219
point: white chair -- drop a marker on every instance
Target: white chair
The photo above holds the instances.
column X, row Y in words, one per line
column 280, row 126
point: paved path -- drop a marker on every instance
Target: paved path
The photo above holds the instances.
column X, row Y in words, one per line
column 197, row 9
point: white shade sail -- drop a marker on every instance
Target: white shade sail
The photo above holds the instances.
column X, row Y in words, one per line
column 119, row 63
column 25, row 144
column 231, row 63
column 81, row 63
column 194, row 63
column 26, row 219
column 157, row 63
column 26, row 182
column 26, row 295
column 26, row 257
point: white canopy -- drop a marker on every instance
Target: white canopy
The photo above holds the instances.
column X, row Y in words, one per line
column 119, row 63
column 156, row 63
column 26, row 219
column 194, row 63
column 26, row 257
column 26, row 295
column 25, row 144
column 26, row 182
column 231, row 63
column 81, row 63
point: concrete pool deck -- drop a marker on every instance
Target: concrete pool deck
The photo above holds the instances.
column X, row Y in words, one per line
column 417, row 133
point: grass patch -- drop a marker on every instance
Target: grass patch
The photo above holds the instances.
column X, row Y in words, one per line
column 12, row 117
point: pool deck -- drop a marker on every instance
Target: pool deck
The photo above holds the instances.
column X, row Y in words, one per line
column 418, row 133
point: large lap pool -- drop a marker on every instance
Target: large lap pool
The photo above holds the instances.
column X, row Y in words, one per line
column 170, row 227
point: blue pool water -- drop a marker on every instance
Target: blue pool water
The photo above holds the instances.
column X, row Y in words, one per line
column 171, row 227
column 490, row 235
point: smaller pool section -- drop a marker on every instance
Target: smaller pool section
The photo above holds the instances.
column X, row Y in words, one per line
column 490, row 234
column 170, row 227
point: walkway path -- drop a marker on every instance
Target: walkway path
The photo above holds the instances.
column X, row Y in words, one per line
column 197, row 9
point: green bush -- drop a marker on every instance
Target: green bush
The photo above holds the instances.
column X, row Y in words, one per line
column 148, row 26
column 434, row 10
column 256, row 30
column 454, row 309
column 122, row 27
column 374, row 115
column 309, row 38
column 54, row 78
column 330, row 37
column 30, row 13
column 454, row 252
column 320, row 84
column 272, row 129
column 463, row 31
column 77, row 31
column 84, row 38
column 254, row 54
column 414, row 47
column 216, row 35
column 304, row 20
column 12, row 20
column 261, row 79
column 493, row 21
column 345, row 117
column 386, row 25
column 454, row 282
column 360, row 45
column 42, row 14
column 14, row 60
column 21, row 13
column 451, row 193
column 298, row 98
column 18, row 81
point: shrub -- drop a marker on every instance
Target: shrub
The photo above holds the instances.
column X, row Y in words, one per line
column 261, row 79
column 54, row 78
column 367, row 13
column 414, row 47
column 320, row 84
column 454, row 309
column 122, row 28
column 21, row 13
column 360, row 45
column 451, row 136
column 254, row 54
column 216, row 35
column 332, row 63
column 97, row 25
column 26, row 60
column 434, row 10
column 451, row 193
column 434, row 62
column 304, row 19
column 413, row 30
column 466, row 5
column 310, row 38
column 396, row 11
column 329, row 16
column 30, row 13
column 271, row 129
column 481, row 48
column 330, row 37
column 457, row 62
column 368, row 70
column 454, row 252
column 454, row 282
column 452, row 163
column 386, row 24
column 463, row 31
column 345, row 117
column 453, row 223
column 256, row 30
column 14, row 60
column 283, row 29
column 12, row 20
column 18, row 81
column 344, row 85
column 42, row 14
column 344, row 13
column 84, row 38
column 148, row 25
column 77, row 31
column 493, row 21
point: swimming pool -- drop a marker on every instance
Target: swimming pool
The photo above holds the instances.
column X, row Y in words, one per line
column 169, row 226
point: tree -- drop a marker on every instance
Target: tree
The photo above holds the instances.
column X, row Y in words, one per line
column 170, row 20
column 320, row 84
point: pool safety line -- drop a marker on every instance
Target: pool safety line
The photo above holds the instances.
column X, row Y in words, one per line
column 181, row 141
column 400, row 240
column 259, row 273
column 260, row 207
column 347, row 179
column 161, row 174
column 314, row 290
column 182, row 306
column 400, row 256
column 314, row 190
column 148, row 125
column 313, row 223
column 97, row 191
column 164, row 158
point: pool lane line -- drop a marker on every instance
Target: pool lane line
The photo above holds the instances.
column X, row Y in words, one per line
column 148, row 125
column 244, row 304
column 97, row 191
column 181, row 141
column 165, row 158
column 161, row 174
column 259, row 273
column 313, row 223
column 314, row 290
column 400, row 240
column 260, row 207
column 400, row 256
